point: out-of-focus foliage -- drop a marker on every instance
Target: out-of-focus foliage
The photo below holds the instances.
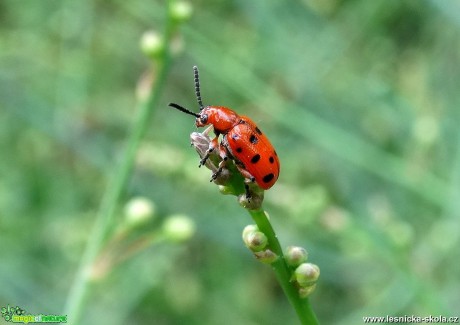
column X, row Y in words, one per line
column 360, row 98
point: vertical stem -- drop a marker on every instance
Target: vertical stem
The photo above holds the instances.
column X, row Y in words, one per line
column 75, row 299
column 282, row 272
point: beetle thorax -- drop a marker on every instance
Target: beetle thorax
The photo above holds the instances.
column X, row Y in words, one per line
column 222, row 118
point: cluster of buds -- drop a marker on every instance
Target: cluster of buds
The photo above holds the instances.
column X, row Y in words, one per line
column 257, row 242
column 305, row 274
column 138, row 231
column 153, row 43
column 225, row 174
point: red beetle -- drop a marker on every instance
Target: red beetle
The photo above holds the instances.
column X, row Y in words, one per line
column 242, row 141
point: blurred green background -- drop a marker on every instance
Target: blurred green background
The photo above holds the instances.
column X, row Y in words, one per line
column 360, row 98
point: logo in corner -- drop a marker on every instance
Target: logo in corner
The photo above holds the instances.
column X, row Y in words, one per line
column 19, row 315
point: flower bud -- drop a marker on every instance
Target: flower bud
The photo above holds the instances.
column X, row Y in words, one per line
column 295, row 255
column 178, row 228
column 254, row 202
column 255, row 241
column 139, row 210
column 248, row 229
column 177, row 45
column 181, row 11
column 306, row 274
column 304, row 292
column 222, row 178
column 226, row 190
column 266, row 256
column 152, row 44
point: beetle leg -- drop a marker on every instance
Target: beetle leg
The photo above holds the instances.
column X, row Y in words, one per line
column 222, row 164
column 211, row 148
column 248, row 178
column 247, row 175
column 246, row 188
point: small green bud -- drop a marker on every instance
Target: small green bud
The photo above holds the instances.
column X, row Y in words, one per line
column 177, row 44
column 255, row 241
column 266, row 256
column 139, row 210
column 226, row 190
column 178, row 228
column 306, row 274
column 252, row 203
column 248, row 229
column 152, row 44
column 304, row 292
column 181, row 11
column 222, row 178
column 296, row 255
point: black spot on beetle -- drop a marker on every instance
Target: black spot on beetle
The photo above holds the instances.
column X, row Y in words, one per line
column 267, row 178
column 235, row 136
column 255, row 158
column 239, row 150
column 271, row 160
column 258, row 131
column 253, row 139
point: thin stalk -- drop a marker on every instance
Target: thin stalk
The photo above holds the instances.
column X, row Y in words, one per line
column 235, row 186
column 282, row 272
column 105, row 216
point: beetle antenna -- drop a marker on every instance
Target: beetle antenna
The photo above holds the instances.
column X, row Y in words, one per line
column 197, row 87
column 183, row 109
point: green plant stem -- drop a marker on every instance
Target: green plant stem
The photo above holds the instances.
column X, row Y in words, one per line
column 283, row 273
column 105, row 216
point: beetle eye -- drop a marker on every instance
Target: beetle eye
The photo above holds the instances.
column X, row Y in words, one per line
column 204, row 118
